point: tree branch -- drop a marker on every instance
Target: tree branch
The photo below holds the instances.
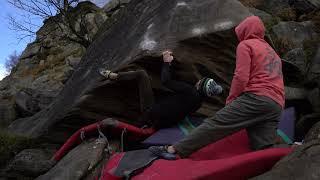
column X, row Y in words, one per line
column 45, row 9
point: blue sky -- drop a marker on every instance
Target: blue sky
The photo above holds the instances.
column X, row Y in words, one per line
column 8, row 40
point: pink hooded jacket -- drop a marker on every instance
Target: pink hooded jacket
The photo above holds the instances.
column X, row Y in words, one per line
column 258, row 67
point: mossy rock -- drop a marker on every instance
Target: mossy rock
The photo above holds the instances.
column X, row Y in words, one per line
column 270, row 23
column 316, row 21
column 11, row 144
column 287, row 14
column 251, row 3
column 310, row 47
column 283, row 45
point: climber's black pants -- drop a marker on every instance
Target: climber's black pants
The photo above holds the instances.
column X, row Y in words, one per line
column 144, row 85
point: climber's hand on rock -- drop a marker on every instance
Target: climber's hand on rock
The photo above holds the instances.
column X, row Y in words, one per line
column 167, row 56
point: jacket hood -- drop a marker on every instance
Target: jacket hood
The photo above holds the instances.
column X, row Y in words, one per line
column 250, row 28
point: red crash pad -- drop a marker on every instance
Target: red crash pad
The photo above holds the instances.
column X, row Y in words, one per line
column 229, row 158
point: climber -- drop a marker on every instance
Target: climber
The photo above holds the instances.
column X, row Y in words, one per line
column 255, row 100
column 185, row 100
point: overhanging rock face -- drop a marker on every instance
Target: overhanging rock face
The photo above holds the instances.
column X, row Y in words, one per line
column 199, row 32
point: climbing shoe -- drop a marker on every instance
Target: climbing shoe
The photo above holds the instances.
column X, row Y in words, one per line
column 162, row 153
column 108, row 74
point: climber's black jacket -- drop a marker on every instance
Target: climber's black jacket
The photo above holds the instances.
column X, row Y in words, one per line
column 185, row 99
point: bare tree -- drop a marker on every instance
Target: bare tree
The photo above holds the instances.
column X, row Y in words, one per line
column 45, row 9
column 12, row 61
column 24, row 29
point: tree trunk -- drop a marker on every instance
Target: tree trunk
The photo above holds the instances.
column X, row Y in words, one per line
column 65, row 5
